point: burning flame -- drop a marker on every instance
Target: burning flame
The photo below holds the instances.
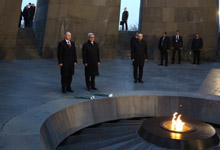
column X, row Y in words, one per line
column 177, row 124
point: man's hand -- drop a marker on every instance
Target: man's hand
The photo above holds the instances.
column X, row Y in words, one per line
column 146, row 59
column 132, row 60
column 75, row 63
column 99, row 63
column 61, row 65
column 85, row 64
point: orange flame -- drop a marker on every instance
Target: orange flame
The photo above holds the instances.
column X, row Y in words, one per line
column 177, row 124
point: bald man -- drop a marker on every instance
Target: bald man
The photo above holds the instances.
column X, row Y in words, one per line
column 139, row 55
column 67, row 59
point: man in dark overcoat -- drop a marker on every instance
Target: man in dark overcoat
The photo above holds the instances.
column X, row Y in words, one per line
column 139, row 55
column 196, row 47
column 164, row 45
column 26, row 15
column 91, row 61
column 134, row 38
column 67, row 60
column 177, row 42
column 125, row 15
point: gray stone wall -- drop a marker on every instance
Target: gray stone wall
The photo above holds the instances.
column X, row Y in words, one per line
column 55, row 17
column 187, row 16
column 40, row 23
column 9, row 19
column 81, row 17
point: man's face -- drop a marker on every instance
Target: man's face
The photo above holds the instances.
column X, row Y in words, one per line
column 177, row 33
column 125, row 9
column 68, row 36
column 140, row 37
column 92, row 38
column 137, row 34
column 197, row 35
column 164, row 35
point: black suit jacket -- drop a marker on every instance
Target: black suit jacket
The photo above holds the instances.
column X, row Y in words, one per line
column 139, row 52
column 164, row 45
column 67, row 57
column 177, row 43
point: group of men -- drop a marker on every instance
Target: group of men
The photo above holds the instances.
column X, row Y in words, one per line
column 67, row 59
column 176, row 45
column 28, row 14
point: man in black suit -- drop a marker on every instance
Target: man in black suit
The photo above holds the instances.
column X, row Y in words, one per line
column 133, row 39
column 125, row 19
column 91, row 60
column 32, row 13
column 67, row 60
column 196, row 47
column 164, row 45
column 138, row 56
column 177, row 42
column 26, row 15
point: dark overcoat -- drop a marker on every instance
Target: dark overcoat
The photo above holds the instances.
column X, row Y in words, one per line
column 197, row 44
column 164, row 45
column 91, row 56
column 67, row 57
column 139, row 52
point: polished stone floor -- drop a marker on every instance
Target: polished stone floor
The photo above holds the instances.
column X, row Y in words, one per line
column 25, row 84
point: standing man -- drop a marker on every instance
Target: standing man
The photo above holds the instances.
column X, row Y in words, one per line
column 125, row 19
column 133, row 39
column 26, row 16
column 164, row 45
column 67, row 60
column 196, row 47
column 138, row 56
column 177, row 42
column 91, row 60
column 32, row 13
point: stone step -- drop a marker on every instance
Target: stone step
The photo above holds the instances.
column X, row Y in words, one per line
column 105, row 130
column 124, row 125
column 26, row 45
column 93, row 145
column 126, row 145
column 87, row 137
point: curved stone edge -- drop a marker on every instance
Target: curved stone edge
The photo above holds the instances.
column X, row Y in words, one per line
column 73, row 118
column 23, row 131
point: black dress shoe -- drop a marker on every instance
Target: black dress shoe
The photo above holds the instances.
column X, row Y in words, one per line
column 135, row 81
column 63, row 91
column 94, row 88
column 88, row 88
column 160, row 65
column 141, row 81
column 70, row 91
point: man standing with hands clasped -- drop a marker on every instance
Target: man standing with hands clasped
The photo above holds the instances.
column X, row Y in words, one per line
column 67, row 59
column 196, row 47
column 177, row 42
column 138, row 56
column 91, row 60
column 164, row 45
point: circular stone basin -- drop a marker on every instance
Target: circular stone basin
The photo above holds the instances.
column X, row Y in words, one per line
column 186, row 128
column 200, row 135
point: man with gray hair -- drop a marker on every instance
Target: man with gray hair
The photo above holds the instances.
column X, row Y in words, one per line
column 91, row 60
column 67, row 59
column 139, row 55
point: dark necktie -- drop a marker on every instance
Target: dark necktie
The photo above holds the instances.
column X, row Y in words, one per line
column 69, row 44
